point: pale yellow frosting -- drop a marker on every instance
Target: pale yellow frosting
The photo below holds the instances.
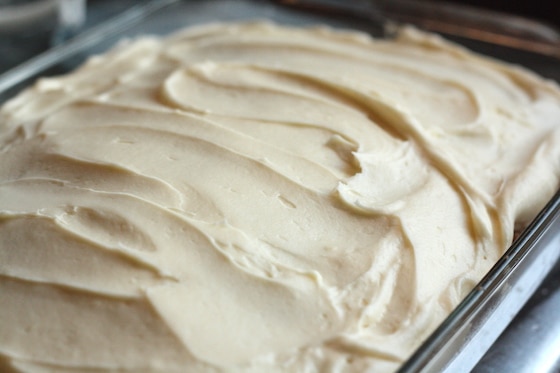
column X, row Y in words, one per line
column 257, row 198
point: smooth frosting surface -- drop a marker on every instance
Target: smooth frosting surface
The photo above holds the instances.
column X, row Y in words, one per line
column 252, row 197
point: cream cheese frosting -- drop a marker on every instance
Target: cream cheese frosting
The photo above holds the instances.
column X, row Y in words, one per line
column 251, row 197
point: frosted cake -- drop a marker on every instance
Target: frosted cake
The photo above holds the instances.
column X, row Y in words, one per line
column 253, row 197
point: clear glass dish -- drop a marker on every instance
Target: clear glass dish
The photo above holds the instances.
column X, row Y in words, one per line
column 476, row 323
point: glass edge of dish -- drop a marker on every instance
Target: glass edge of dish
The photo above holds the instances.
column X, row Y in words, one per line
column 33, row 67
column 507, row 273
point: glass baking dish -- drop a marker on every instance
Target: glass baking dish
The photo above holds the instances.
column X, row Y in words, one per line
column 476, row 323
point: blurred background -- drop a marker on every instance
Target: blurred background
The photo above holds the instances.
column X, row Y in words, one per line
column 543, row 10
column 28, row 27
